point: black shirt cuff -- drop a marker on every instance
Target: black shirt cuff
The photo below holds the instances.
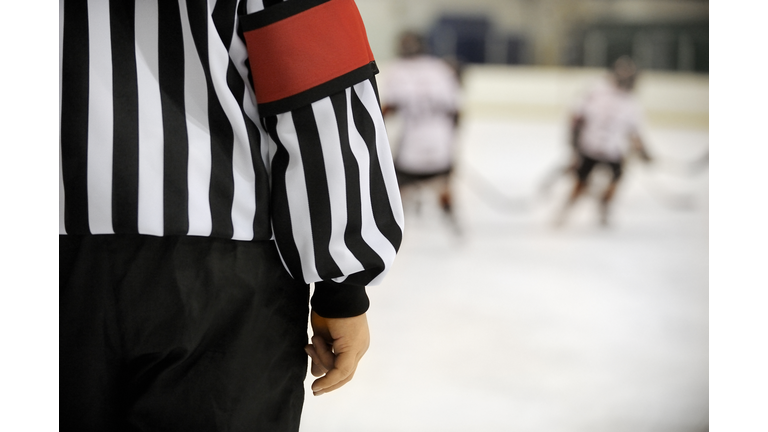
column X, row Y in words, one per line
column 339, row 300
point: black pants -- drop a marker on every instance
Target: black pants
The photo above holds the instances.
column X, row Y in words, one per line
column 587, row 164
column 179, row 334
column 406, row 178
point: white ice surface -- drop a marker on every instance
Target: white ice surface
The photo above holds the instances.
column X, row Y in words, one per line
column 519, row 326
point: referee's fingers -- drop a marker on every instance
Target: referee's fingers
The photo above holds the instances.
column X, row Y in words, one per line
column 341, row 373
column 321, row 363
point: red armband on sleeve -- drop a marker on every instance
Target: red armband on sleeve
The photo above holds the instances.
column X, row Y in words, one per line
column 301, row 51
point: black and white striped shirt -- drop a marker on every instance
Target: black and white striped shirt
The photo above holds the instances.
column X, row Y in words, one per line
column 161, row 135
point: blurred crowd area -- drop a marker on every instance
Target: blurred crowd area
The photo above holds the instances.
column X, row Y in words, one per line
column 669, row 35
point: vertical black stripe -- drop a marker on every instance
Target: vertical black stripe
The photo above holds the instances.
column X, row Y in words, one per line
column 236, row 85
column 261, row 229
column 74, row 116
column 175, row 140
column 317, row 190
column 382, row 211
column 125, row 162
column 281, row 215
column 261, row 225
column 375, row 86
column 270, row 3
column 352, row 233
column 224, row 20
column 242, row 10
column 222, row 188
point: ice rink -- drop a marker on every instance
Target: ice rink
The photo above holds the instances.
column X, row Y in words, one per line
column 515, row 325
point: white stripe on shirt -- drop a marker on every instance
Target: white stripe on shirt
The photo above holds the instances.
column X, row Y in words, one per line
column 198, row 132
column 62, row 195
column 367, row 96
column 100, row 119
column 298, row 202
column 244, row 199
column 369, row 231
column 328, row 130
column 151, row 156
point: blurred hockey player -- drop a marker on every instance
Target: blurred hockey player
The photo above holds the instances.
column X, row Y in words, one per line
column 605, row 129
column 424, row 92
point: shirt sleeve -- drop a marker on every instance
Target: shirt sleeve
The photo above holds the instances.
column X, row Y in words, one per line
column 336, row 212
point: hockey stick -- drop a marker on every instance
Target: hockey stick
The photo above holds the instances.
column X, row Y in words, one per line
column 664, row 195
column 489, row 193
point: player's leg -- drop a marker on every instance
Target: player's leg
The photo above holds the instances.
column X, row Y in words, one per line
column 607, row 198
column 585, row 167
column 446, row 201
column 444, row 194
column 410, row 190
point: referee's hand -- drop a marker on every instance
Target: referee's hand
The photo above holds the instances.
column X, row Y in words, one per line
column 337, row 346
